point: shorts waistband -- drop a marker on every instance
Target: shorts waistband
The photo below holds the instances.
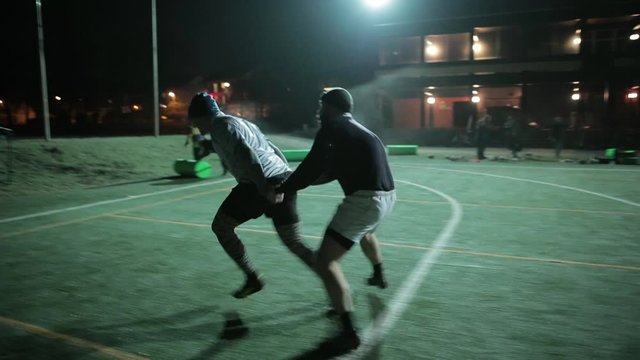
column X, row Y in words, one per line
column 371, row 193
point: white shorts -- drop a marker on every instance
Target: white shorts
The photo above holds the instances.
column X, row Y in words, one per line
column 361, row 212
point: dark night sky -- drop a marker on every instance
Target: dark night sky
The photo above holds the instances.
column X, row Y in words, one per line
column 97, row 46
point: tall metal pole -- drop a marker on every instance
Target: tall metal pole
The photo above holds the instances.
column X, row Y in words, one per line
column 43, row 74
column 156, row 100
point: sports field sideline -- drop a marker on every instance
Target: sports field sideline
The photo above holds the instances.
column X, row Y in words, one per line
column 531, row 260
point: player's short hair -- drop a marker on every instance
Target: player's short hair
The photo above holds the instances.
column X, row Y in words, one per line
column 203, row 104
column 338, row 98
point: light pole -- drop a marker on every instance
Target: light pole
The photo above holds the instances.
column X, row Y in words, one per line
column 43, row 73
column 154, row 41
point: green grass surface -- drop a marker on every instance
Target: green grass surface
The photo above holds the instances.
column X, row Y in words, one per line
column 533, row 271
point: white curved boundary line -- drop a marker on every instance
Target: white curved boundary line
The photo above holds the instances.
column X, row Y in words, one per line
column 530, row 181
column 507, row 166
column 106, row 202
column 402, row 298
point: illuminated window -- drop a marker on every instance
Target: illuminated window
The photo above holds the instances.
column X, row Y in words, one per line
column 394, row 51
column 562, row 38
column 447, row 47
column 497, row 43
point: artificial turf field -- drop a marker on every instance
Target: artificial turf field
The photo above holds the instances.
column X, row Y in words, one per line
column 484, row 260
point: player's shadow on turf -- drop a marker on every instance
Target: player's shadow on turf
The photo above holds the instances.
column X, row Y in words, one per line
column 172, row 180
column 237, row 328
column 376, row 307
column 157, row 329
column 202, row 324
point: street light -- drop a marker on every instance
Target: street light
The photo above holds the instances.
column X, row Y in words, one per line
column 377, row 4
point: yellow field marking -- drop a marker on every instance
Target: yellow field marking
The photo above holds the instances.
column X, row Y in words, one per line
column 407, row 246
column 515, row 257
column 612, row 212
column 79, row 220
column 161, row 221
column 37, row 330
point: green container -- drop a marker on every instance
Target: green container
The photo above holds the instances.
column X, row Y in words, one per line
column 610, row 153
column 192, row 168
column 402, row 149
column 295, row 155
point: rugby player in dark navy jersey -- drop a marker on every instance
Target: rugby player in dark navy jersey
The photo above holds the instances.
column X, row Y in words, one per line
column 346, row 151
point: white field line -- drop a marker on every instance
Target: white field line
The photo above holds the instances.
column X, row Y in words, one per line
column 531, row 181
column 511, row 166
column 402, row 298
column 107, row 202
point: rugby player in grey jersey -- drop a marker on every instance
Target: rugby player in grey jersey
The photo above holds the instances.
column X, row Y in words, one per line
column 259, row 167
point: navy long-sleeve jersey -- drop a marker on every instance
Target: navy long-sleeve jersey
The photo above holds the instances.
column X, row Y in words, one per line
column 345, row 151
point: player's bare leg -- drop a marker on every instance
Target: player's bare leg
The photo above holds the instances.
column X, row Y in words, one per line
column 291, row 238
column 224, row 227
column 371, row 248
column 329, row 270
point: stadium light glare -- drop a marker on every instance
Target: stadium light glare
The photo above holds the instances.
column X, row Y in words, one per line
column 577, row 40
column 376, row 4
column 632, row 95
column 575, row 97
column 635, row 36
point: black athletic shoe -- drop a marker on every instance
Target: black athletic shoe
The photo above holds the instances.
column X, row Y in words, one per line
column 253, row 284
column 340, row 344
column 377, row 281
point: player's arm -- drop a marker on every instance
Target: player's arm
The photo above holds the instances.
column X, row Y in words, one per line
column 277, row 151
column 311, row 167
column 324, row 178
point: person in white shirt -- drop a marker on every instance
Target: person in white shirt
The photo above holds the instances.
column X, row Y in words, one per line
column 258, row 166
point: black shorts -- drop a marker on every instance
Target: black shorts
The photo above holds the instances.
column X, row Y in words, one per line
column 245, row 202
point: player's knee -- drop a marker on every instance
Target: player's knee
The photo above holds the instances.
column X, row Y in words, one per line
column 221, row 228
column 322, row 264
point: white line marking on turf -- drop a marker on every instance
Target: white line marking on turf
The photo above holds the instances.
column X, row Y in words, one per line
column 106, row 202
column 532, row 181
column 541, row 167
column 401, row 299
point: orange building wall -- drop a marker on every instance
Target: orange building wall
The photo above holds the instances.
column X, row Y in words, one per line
column 443, row 111
column 406, row 113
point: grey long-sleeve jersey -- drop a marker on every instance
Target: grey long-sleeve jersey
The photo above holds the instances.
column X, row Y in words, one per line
column 248, row 154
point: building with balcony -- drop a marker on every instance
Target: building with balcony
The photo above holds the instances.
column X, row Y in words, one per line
column 579, row 64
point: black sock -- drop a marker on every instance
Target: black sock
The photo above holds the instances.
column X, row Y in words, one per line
column 347, row 323
column 377, row 270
